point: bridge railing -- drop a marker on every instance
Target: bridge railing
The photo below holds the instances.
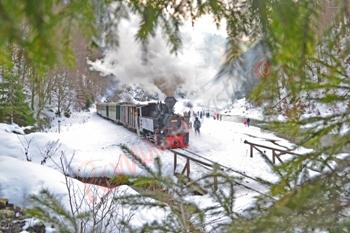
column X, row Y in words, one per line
column 276, row 153
column 187, row 168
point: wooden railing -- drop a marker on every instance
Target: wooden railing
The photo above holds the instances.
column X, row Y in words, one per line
column 276, row 153
column 187, row 168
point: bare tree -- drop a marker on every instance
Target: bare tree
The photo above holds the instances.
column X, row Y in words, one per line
column 25, row 143
column 50, row 150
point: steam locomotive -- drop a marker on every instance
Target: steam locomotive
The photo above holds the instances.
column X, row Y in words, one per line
column 155, row 121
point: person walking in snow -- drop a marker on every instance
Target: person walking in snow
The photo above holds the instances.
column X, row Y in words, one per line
column 197, row 126
column 247, row 122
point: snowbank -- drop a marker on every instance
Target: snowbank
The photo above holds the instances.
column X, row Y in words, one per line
column 19, row 179
column 13, row 128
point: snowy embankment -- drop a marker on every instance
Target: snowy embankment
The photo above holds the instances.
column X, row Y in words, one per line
column 20, row 179
column 89, row 146
column 241, row 108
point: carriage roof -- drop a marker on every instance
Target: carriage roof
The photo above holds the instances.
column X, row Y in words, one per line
column 123, row 104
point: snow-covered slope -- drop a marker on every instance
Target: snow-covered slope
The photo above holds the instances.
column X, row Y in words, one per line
column 242, row 108
column 20, row 178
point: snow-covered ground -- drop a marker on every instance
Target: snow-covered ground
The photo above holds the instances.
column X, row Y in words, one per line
column 242, row 108
column 90, row 146
column 75, row 144
column 236, row 111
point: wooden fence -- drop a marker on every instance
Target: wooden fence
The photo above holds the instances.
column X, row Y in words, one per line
column 187, row 168
column 276, row 153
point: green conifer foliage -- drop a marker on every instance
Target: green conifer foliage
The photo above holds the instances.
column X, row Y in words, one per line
column 13, row 105
column 42, row 29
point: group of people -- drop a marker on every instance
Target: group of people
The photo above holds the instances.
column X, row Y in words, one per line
column 217, row 116
column 200, row 114
column 197, row 124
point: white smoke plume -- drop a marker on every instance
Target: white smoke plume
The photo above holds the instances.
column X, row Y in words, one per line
column 164, row 73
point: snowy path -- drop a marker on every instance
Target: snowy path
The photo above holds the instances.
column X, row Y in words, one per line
column 223, row 142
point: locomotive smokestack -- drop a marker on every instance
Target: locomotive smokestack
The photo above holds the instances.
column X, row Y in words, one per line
column 170, row 102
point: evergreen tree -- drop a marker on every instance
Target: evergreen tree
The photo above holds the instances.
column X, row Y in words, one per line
column 13, row 105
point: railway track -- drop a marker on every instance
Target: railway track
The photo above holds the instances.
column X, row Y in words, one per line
column 244, row 180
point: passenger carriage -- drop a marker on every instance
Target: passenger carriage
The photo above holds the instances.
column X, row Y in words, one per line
column 154, row 121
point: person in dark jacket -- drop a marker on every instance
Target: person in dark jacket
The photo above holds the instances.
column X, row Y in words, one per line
column 197, row 126
column 247, row 122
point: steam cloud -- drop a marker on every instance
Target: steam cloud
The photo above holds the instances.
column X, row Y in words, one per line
column 165, row 73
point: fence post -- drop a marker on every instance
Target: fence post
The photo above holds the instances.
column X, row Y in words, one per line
column 215, row 183
column 175, row 162
column 273, row 156
column 251, row 151
column 188, row 167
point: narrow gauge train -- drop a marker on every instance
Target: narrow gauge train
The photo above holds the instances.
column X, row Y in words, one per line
column 155, row 121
